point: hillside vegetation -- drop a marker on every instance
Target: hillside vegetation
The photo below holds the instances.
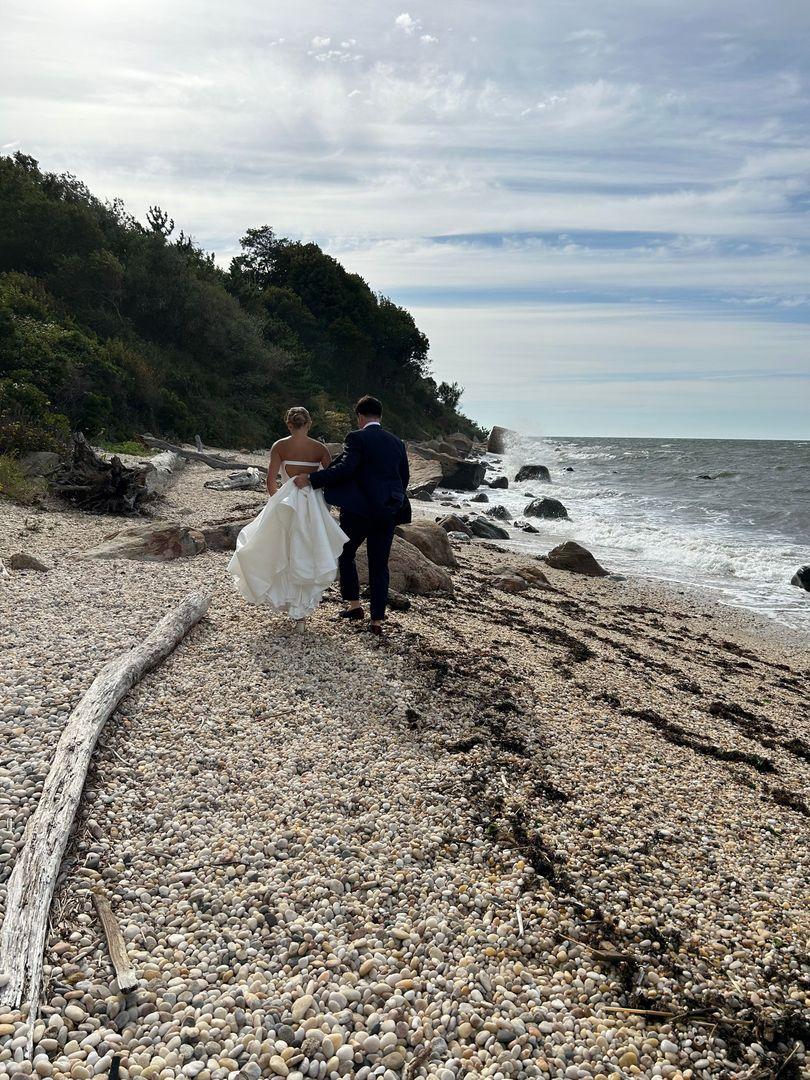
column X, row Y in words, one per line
column 113, row 327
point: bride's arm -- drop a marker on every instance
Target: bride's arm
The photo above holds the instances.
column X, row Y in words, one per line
column 273, row 470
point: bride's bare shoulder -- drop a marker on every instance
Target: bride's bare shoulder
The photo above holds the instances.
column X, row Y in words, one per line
column 279, row 443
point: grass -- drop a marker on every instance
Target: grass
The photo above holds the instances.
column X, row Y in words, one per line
column 130, row 447
column 18, row 487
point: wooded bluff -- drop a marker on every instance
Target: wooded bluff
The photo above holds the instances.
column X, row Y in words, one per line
column 112, row 327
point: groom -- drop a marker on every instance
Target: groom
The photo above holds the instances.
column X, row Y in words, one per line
column 369, row 482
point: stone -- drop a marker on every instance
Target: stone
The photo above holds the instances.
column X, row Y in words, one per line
column 156, row 542
column 575, row 558
column 431, row 539
column 546, row 508
column 39, row 463
column 460, row 537
column 458, row 474
column 516, row 579
column 223, row 537
column 487, row 530
column 412, row 573
column 302, row 1005
column 426, row 475
column 21, row 560
column 499, row 438
column 802, row 578
column 500, row 482
column 480, row 497
column 532, row 472
column 460, row 441
column 568, row 468
column 499, row 512
column 278, row 1066
column 453, row 523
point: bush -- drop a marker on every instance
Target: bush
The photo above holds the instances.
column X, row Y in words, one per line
column 18, row 487
column 27, row 421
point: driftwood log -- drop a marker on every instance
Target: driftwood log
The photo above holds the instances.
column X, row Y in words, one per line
column 33, row 879
column 116, row 946
column 92, row 483
column 214, row 461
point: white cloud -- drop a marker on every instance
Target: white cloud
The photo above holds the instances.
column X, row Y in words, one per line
column 613, row 118
column 407, row 23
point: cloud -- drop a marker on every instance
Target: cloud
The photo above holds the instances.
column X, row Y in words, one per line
column 407, row 23
column 628, row 157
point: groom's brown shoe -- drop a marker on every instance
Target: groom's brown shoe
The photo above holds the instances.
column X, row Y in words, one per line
column 352, row 613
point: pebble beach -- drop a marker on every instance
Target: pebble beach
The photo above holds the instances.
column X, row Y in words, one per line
column 562, row 833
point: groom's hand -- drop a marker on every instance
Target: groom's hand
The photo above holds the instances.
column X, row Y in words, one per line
column 301, row 481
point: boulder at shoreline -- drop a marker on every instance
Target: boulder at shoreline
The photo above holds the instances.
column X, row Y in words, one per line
column 802, row 578
column 533, row 472
column 453, row 523
column 431, row 539
column 499, row 482
column 546, row 508
column 412, row 573
column 487, row 530
column 575, row 558
column 498, row 440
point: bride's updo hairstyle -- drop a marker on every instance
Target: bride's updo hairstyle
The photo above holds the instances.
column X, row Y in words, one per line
column 298, row 417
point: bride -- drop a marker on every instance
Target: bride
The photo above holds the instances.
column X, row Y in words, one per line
column 287, row 556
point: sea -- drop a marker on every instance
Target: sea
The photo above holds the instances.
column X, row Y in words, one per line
column 644, row 508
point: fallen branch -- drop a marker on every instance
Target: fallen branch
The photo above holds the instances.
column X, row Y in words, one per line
column 212, row 460
column 124, row 971
column 33, row 879
column 685, row 1014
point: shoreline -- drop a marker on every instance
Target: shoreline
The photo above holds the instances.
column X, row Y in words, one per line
column 481, row 837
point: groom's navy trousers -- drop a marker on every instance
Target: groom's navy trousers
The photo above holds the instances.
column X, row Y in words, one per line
column 378, row 532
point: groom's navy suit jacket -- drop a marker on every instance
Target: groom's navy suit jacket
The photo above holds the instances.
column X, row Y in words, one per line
column 370, row 478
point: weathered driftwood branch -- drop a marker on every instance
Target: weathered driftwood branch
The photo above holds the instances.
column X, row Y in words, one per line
column 162, row 471
column 33, row 879
column 124, row 971
column 212, row 460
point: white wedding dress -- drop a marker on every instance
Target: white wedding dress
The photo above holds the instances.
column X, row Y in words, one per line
column 287, row 556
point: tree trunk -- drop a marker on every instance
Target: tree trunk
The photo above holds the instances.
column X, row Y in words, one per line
column 212, row 460
column 92, row 483
column 32, row 881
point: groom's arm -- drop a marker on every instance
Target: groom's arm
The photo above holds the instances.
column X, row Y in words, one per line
column 345, row 467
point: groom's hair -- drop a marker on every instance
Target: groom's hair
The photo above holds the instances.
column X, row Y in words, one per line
column 369, row 406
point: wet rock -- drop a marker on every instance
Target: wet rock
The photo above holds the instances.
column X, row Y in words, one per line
column 546, row 508
column 499, row 512
column 481, row 497
column 487, row 530
column 802, row 578
column 532, row 472
column 500, row 482
column 498, row 440
column 453, row 523
column 575, row 558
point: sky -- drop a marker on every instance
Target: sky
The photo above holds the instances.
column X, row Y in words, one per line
column 597, row 210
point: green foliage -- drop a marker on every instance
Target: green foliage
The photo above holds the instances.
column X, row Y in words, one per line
column 128, row 446
column 27, row 420
column 125, row 328
column 15, row 485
